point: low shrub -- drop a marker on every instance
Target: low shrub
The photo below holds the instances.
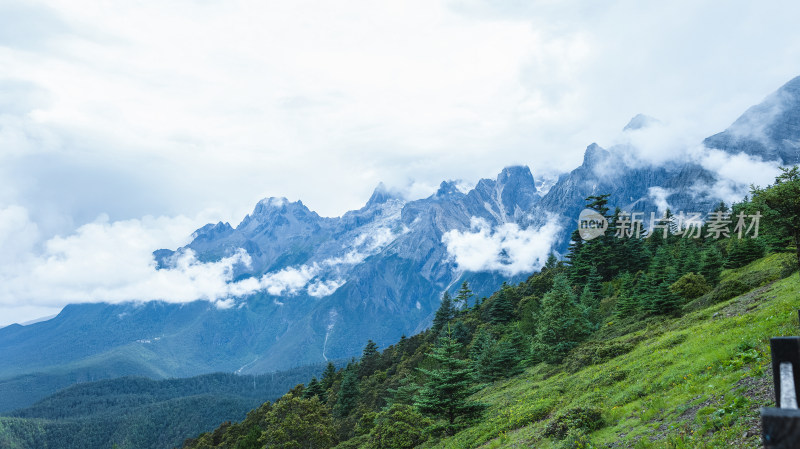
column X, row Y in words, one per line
column 585, row 419
column 594, row 352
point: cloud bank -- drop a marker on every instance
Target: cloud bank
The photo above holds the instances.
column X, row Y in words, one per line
column 735, row 173
column 105, row 261
column 112, row 262
column 507, row 248
column 665, row 143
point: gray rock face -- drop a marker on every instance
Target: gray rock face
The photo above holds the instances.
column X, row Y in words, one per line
column 770, row 129
column 642, row 189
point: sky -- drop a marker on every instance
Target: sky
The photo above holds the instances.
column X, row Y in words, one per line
column 124, row 126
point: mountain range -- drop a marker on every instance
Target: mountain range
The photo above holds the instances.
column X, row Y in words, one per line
column 320, row 287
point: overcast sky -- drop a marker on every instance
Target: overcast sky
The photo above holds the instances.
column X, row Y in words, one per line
column 126, row 125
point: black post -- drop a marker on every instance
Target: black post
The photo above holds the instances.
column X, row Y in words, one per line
column 781, row 424
column 781, row 428
column 784, row 349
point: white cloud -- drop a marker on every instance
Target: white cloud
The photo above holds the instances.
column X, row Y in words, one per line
column 364, row 245
column 215, row 95
column 506, row 248
column 735, row 173
column 659, row 196
column 662, row 143
column 321, row 289
column 352, row 257
column 18, row 235
column 288, row 281
column 658, row 143
column 740, row 168
column 112, row 262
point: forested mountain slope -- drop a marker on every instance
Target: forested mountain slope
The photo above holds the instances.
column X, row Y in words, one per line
column 138, row 412
column 659, row 341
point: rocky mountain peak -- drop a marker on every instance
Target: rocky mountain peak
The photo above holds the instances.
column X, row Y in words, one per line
column 640, row 121
column 273, row 206
column 448, row 188
column 271, row 203
column 382, row 194
column 517, row 176
column 594, row 155
column 770, row 129
column 212, row 231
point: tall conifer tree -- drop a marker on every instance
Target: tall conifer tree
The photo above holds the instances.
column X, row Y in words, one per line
column 444, row 314
column 463, row 296
column 562, row 324
column 348, row 393
column 446, row 394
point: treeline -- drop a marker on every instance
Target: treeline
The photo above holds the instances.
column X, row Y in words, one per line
column 135, row 412
column 420, row 388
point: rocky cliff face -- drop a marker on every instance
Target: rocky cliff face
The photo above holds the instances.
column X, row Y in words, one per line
column 770, row 129
column 373, row 273
column 643, row 189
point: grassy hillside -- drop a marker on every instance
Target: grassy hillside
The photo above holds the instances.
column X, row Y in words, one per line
column 696, row 381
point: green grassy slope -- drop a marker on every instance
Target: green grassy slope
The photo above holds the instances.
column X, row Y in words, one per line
column 695, row 381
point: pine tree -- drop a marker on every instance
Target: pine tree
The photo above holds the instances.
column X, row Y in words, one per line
column 501, row 310
column 686, row 257
column 598, row 252
column 480, row 344
column 482, row 355
column 463, row 296
column 444, row 314
column 692, row 262
column 627, row 304
column 780, row 205
column 507, row 359
column 576, row 259
column 562, row 324
column 348, row 393
column 590, row 297
column 711, row 265
column 634, row 255
column 615, row 261
column 446, row 393
column 643, row 291
column 461, row 332
column 404, row 393
column 657, row 298
column 664, row 301
column 742, row 252
column 598, row 203
column 551, row 262
column 328, row 376
column 314, row 388
column 369, row 359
